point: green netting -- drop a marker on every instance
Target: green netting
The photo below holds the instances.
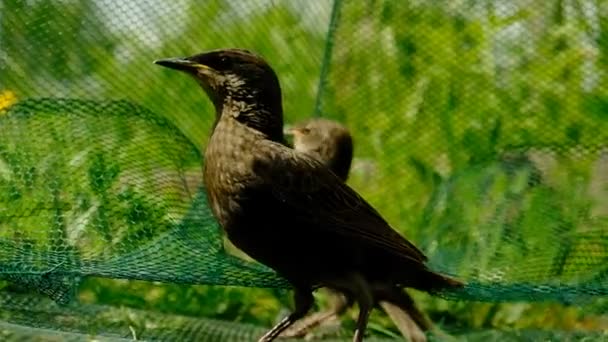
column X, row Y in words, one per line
column 106, row 323
column 480, row 132
column 121, row 199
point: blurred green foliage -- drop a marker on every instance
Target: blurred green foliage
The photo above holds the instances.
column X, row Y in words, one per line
column 437, row 94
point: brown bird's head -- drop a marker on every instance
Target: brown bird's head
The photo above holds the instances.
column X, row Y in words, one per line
column 239, row 83
column 327, row 141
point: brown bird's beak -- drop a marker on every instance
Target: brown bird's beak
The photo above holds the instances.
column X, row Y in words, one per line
column 183, row 64
column 289, row 130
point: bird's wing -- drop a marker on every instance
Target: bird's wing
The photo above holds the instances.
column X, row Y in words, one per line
column 315, row 194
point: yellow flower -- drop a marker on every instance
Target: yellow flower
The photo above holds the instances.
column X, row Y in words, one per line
column 7, row 99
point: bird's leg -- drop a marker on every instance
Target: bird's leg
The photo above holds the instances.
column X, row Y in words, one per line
column 403, row 320
column 404, row 301
column 396, row 296
column 340, row 304
column 363, row 295
column 303, row 302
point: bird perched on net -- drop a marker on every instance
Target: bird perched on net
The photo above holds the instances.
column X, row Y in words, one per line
column 284, row 208
column 332, row 144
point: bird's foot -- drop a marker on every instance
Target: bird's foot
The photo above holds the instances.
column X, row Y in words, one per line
column 304, row 327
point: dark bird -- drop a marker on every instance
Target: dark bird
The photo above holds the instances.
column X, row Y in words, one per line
column 332, row 144
column 284, row 208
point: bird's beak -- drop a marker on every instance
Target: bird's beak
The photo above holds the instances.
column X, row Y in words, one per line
column 289, row 130
column 186, row 65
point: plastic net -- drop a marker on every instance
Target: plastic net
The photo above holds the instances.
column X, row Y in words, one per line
column 480, row 133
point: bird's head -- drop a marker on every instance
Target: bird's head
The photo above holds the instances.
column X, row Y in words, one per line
column 327, row 140
column 239, row 83
column 307, row 136
column 311, row 134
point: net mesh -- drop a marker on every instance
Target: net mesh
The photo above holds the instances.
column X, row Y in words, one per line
column 480, row 133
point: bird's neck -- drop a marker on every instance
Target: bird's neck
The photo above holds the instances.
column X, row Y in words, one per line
column 262, row 117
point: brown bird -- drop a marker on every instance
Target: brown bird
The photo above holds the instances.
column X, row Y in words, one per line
column 327, row 140
column 332, row 144
column 284, row 208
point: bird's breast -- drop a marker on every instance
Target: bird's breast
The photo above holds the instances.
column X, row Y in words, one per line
column 227, row 171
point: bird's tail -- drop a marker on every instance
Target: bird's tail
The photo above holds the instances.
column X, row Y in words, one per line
column 430, row 281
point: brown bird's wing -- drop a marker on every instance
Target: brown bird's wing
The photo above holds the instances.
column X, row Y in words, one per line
column 316, row 194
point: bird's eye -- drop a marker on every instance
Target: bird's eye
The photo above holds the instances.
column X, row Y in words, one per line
column 224, row 62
